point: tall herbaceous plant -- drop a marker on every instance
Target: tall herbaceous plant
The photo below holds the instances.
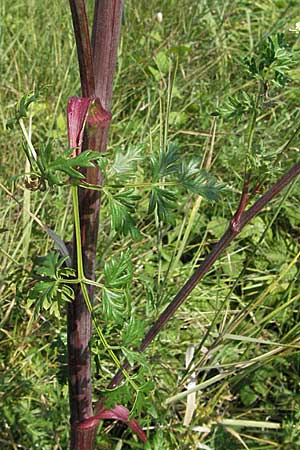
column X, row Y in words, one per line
column 66, row 275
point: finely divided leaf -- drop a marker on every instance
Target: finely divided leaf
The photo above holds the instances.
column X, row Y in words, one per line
column 122, row 205
column 70, row 166
column 183, row 172
column 22, row 108
column 165, row 163
column 236, row 106
column 132, row 331
column 118, row 275
column 134, row 357
column 125, row 163
column 49, row 292
column 161, row 200
column 114, row 304
column 118, row 272
column 199, row 181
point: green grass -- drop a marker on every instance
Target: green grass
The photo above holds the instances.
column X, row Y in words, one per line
column 245, row 329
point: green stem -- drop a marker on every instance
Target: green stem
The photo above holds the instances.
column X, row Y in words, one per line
column 83, row 281
column 28, row 140
column 95, row 187
column 77, row 232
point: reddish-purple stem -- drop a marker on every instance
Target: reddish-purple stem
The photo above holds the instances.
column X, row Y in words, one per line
column 105, row 41
column 83, row 44
column 79, row 321
column 96, row 66
column 235, row 221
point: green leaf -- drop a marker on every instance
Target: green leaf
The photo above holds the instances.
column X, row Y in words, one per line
column 236, row 106
column 165, row 163
column 125, row 163
column 118, row 272
column 163, row 62
column 102, row 163
column 46, row 290
column 49, row 292
column 273, row 61
column 169, row 165
column 22, row 108
column 177, row 118
column 26, row 101
column 217, row 226
column 162, row 201
column 69, row 166
column 248, row 396
column 156, row 73
column 114, row 304
column 142, row 401
column 47, row 265
column 210, row 190
column 47, row 170
column 118, row 275
column 199, row 181
column 134, row 357
column 44, row 155
column 122, row 205
column 121, row 395
column 233, row 264
column 133, row 331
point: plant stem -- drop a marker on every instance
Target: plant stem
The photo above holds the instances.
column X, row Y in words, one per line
column 83, row 44
column 83, row 285
column 105, row 41
column 79, row 318
column 241, row 219
column 96, row 66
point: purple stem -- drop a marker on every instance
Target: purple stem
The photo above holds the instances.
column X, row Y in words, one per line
column 83, row 44
column 96, row 66
column 105, row 41
column 79, row 321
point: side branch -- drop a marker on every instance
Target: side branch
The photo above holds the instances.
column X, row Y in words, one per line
column 241, row 219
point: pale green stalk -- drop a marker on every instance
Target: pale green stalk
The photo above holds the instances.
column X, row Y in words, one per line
column 28, row 140
column 27, row 223
column 222, row 376
column 250, row 423
column 95, row 187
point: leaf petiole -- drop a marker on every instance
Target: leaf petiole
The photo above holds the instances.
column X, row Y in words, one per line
column 83, row 281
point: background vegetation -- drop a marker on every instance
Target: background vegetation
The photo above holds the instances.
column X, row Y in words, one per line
column 244, row 329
